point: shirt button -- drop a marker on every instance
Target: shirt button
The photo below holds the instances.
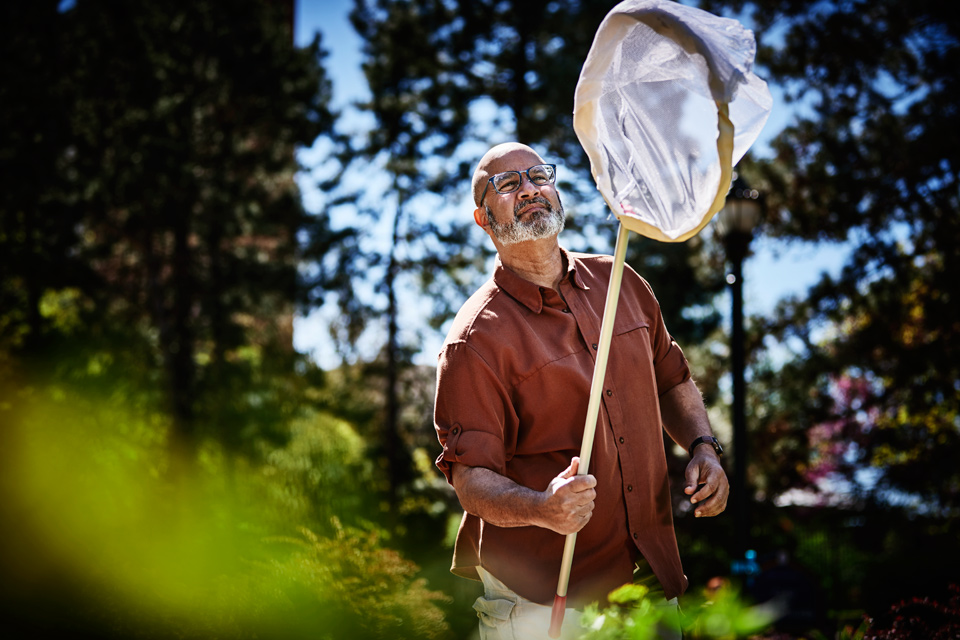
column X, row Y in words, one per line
column 621, row 440
column 635, row 536
column 566, row 310
column 609, row 392
column 629, row 487
column 455, row 430
column 594, row 347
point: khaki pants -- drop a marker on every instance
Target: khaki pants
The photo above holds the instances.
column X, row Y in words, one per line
column 504, row 615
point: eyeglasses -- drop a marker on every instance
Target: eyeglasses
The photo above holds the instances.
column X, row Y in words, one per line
column 510, row 181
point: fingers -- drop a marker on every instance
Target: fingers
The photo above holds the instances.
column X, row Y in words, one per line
column 710, row 501
column 692, row 477
column 570, row 500
column 579, row 489
column 569, row 480
column 710, row 492
column 571, row 471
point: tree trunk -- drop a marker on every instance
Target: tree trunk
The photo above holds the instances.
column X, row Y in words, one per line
column 520, row 68
column 391, row 434
column 179, row 346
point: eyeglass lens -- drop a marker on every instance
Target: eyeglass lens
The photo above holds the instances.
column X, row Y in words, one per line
column 510, row 181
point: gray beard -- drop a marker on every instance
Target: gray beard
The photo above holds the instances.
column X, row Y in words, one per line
column 547, row 224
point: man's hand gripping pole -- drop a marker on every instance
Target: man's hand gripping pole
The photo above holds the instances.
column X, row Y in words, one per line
column 593, row 411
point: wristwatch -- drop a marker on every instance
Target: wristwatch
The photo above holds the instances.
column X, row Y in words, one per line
column 713, row 442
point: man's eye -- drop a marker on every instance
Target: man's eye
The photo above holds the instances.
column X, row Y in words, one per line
column 508, row 183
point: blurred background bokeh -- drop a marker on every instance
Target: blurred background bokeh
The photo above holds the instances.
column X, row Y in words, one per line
column 181, row 187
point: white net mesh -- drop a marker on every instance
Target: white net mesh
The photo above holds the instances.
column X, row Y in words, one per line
column 649, row 108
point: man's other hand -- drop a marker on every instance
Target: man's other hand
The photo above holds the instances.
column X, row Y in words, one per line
column 707, row 484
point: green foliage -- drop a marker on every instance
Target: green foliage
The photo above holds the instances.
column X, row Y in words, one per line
column 420, row 109
column 310, row 477
column 350, row 584
column 849, row 632
column 429, row 90
column 121, row 549
column 632, row 615
column 38, row 212
column 161, row 195
column 156, row 441
column 862, row 371
column 148, row 263
column 729, row 616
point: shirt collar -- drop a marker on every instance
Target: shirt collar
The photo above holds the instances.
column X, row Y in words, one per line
column 526, row 292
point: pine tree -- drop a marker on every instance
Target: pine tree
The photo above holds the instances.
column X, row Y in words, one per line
column 871, row 159
column 163, row 193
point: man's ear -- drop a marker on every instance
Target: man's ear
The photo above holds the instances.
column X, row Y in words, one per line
column 480, row 217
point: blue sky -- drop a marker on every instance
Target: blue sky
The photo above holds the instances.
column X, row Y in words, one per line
column 775, row 271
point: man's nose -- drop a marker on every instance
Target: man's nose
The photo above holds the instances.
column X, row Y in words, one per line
column 528, row 188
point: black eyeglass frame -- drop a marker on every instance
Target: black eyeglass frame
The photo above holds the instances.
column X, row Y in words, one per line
column 553, row 170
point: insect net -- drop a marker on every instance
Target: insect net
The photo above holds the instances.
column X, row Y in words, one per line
column 665, row 106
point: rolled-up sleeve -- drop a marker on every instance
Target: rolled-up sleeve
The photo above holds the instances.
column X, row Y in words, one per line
column 672, row 369
column 471, row 413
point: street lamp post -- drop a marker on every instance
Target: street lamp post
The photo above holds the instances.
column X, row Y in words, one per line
column 735, row 224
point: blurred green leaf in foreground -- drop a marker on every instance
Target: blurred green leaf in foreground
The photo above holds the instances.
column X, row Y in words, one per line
column 101, row 541
column 634, row 616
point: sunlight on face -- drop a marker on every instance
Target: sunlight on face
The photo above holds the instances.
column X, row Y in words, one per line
column 540, row 225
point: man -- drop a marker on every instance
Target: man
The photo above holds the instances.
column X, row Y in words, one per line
column 512, row 391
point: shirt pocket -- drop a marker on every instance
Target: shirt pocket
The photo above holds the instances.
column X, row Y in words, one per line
column 631, row 354
column 626, row 325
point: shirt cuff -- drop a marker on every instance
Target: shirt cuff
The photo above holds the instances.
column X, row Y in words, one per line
column 472, row 448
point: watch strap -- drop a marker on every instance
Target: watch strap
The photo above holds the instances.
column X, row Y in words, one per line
column 711, row 440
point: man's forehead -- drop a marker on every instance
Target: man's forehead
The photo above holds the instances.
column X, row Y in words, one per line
column 510, row 156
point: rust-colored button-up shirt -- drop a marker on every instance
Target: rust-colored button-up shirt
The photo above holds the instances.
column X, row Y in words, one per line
column 512, row 390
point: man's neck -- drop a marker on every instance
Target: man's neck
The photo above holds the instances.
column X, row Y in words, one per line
column 538, row 261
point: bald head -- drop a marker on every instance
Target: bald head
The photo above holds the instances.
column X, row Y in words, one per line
column 509, row 156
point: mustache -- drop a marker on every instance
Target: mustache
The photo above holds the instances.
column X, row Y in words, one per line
column 535, row 200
